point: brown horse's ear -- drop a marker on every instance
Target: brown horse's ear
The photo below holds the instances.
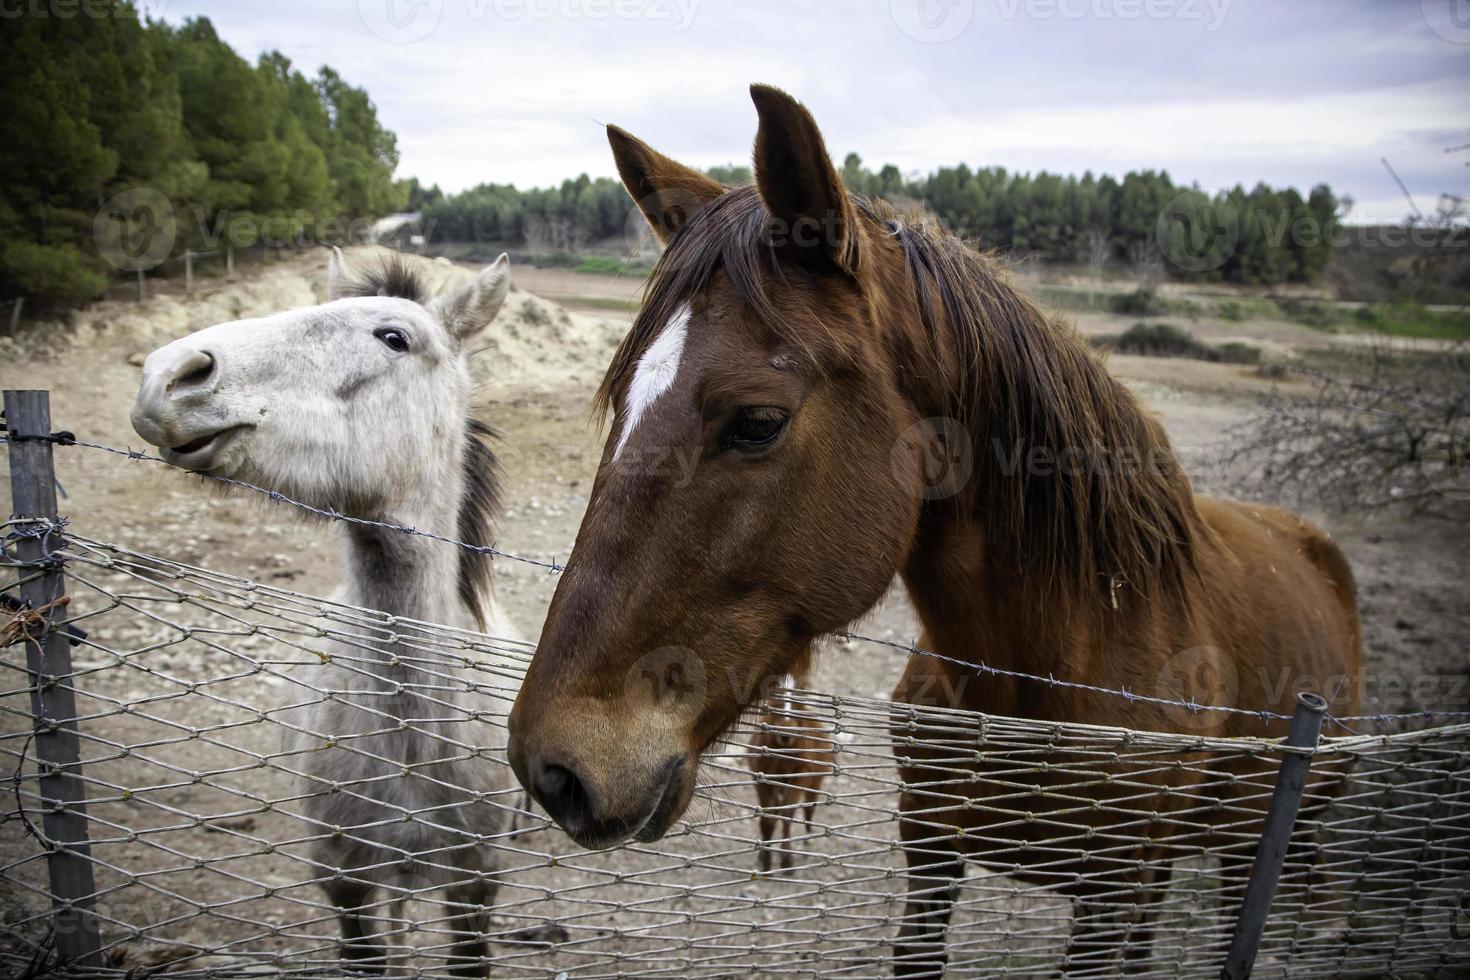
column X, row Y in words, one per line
column 816, row 222
column 665, row 191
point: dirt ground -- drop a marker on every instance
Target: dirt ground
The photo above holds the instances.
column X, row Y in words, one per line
column 536, row 377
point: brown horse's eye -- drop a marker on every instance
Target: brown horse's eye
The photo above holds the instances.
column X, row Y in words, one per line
column 754, row 428
column 394, row 338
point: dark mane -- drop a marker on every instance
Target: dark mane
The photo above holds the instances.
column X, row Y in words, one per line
column 477, row 514
column 1112, row 513
column 1120, row 518
column 392, row 275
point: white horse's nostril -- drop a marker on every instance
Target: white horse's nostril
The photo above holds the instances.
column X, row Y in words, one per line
column 191, row 371
column 176, row 380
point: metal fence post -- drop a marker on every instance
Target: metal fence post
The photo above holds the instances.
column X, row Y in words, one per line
column 53, row 701
column 1286, row 800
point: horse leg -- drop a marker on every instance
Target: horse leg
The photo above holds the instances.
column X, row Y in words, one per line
column 1323, row 906
column 1308, row 901
column 360, row 946
column 1106, row 922
column 786, row 857
column 931, row 811
column 1236, row 860
column 768, row 828
column 471, row 899
column 935, row 871
column 1140, row 940
column 396, row 931
column 1097, row 932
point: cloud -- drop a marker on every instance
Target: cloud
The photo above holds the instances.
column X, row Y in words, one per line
column 1215, row 91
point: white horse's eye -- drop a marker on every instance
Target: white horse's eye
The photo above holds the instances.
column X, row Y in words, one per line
column 395, row 339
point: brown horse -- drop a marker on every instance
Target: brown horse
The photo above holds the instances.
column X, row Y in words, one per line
column 816, row 353
column 791, row 755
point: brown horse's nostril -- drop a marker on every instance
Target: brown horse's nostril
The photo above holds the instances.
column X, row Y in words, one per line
column 562, row 794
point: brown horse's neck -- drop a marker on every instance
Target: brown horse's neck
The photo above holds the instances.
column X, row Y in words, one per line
column 1075, row 519
column 975, row 611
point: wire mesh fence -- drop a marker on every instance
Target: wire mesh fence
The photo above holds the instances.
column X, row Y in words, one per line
column 268, row 772
column 215, row 777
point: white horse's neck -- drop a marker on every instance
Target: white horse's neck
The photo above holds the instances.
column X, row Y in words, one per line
column 410, row 575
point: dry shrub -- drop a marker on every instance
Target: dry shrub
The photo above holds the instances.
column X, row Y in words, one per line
column 1167, row 340
column 1378, row 427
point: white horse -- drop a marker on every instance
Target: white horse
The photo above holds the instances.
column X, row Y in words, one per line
column 362, row 405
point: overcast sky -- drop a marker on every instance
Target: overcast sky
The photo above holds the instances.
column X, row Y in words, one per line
column 1215, row 91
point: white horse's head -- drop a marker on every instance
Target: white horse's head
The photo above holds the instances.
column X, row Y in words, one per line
column 359, row 404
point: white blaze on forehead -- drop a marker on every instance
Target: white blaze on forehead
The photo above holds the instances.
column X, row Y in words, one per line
column 655, row 374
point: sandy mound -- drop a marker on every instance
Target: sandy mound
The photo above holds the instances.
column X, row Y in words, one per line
column 533, row 342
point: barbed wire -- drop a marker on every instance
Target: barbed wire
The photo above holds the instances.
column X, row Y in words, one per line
column 68, row 439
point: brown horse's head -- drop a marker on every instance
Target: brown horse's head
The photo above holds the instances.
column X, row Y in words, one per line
column 747, row 500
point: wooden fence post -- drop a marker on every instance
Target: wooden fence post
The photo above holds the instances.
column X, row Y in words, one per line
column 188, row 271
column 15, row 314
column 53, row 700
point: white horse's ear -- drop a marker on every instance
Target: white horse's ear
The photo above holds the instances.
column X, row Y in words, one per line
column 470, row 309
column 336, row 274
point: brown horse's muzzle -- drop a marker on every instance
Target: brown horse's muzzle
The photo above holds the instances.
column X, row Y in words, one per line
column 605, row 775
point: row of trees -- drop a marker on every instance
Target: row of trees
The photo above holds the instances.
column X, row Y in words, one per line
column 561, row 218
column 1263, row 235
column 173, row 119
